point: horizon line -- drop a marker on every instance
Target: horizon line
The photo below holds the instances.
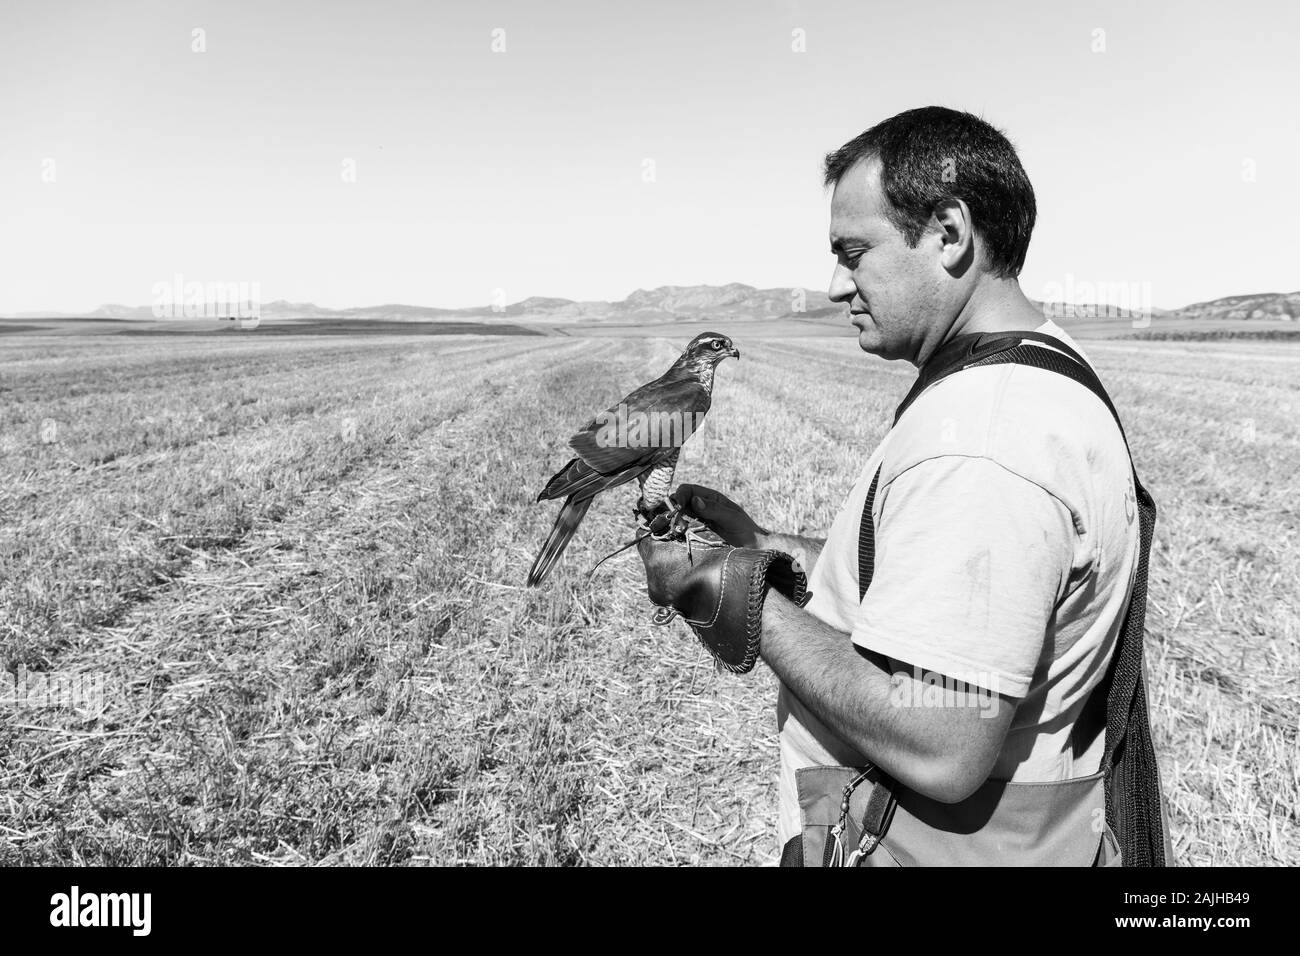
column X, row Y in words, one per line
column 53, row 313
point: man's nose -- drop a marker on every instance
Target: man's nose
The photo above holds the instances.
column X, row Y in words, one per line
column 842, row 288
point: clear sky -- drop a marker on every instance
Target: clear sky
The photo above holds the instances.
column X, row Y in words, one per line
column 1169, row 158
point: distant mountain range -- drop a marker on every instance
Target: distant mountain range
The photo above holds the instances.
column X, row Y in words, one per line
column 671, row 303
column 1267, row 305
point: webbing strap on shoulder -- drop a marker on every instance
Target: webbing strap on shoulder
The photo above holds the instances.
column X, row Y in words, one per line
column 867, row 541
column 1133, row 800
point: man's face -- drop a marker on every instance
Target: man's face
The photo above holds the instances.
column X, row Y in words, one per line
column 893, row 292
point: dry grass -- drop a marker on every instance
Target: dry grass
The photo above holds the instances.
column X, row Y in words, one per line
column 298, row 565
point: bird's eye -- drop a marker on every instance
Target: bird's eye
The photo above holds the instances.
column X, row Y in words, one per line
column 717, row 344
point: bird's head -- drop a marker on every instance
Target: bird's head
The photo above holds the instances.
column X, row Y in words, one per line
column 710, row 348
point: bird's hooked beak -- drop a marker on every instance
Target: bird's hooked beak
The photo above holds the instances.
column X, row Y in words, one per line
column 734, row 352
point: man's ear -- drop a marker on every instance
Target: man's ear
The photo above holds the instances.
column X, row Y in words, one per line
column 956, row 235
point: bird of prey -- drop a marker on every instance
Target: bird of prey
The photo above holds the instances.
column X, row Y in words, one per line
column 639, row 438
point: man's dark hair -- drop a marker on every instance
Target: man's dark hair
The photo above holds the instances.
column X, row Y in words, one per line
column 931, row 155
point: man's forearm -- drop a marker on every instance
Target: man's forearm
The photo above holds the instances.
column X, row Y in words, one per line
column 804, row 550
column 848, row 693
column 936, row 751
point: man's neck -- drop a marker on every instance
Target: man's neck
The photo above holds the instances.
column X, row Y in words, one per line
column 995, row 305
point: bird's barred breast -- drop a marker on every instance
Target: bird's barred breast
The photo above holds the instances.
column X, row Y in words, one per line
column 658, row 483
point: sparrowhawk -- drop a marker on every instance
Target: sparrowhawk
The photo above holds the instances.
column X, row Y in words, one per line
column 640, row 438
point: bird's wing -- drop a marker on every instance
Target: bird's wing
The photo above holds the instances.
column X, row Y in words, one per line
column 579, row 479
column 668, row 412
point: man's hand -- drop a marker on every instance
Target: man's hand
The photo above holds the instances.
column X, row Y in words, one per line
column 683, row 578
column 722, row 515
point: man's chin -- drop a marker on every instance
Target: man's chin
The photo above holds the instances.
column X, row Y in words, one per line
column 873, row 343
column 869, row 341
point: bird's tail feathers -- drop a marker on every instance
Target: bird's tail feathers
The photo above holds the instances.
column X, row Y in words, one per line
column 566, row 523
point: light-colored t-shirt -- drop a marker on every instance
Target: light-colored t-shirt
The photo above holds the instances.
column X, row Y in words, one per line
column 1006, row 546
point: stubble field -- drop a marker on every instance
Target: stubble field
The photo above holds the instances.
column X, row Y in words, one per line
column 295, row 567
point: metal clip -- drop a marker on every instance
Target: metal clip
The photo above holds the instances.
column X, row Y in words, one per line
column 866, row 845
column 837, row 857
column 663, row 615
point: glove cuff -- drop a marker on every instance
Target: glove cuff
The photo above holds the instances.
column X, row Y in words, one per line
column 733, row 633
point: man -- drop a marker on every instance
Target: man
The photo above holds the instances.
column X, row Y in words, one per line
column 1006, row 532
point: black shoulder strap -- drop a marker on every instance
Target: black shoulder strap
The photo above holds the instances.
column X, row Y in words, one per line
column 1133, row 800
column 971, row 349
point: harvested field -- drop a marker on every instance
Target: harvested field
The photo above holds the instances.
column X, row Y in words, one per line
column 295, row 563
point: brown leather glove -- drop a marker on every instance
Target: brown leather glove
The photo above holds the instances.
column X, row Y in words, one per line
column 719, row 591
